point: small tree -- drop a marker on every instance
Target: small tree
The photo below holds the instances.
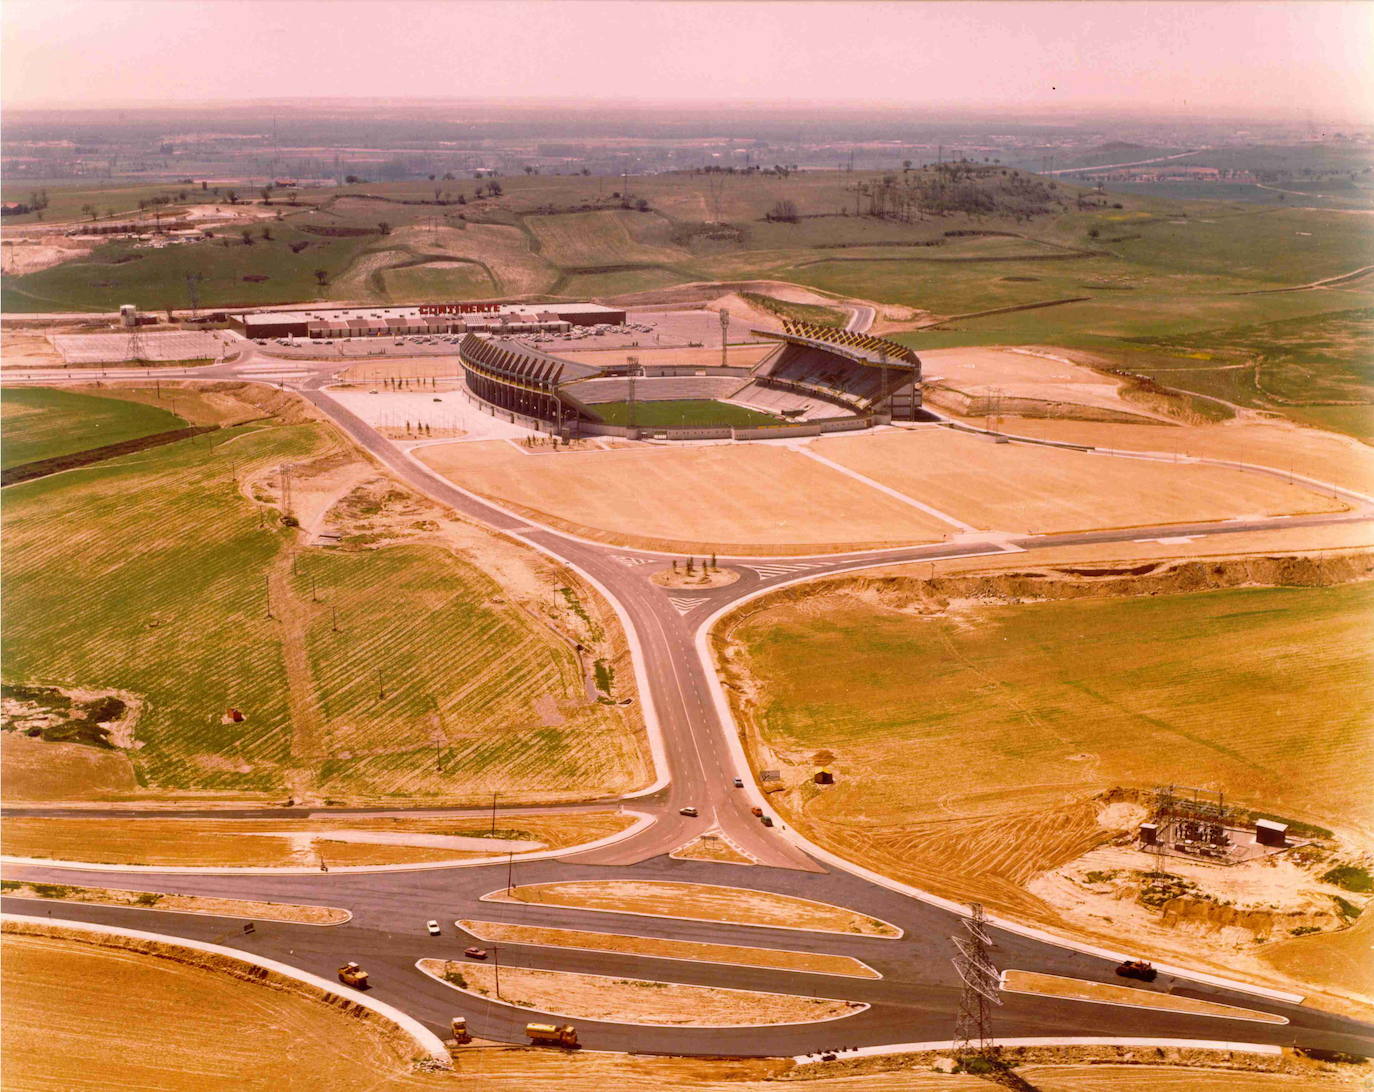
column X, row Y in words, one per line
column 247, row 237
column 784, row 210
column 321, row 277
column 384, row 227
column 88, row 210
column 267, row 234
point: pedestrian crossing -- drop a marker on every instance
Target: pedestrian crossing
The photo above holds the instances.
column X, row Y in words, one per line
column 685, row 604
column 787, row 568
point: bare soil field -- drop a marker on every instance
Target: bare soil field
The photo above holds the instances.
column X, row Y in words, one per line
column 81, row 1017
column 34, row 769
column 76, row 1015
column 1039, row 377
column 698, row 500
column 185, row 904
column 1077, row 989
column 1021, row 487
column 815, row 963
column 1051, row 709
column 637, row 1000
column 699, row 902
column 1312, row 452
column 278, row 843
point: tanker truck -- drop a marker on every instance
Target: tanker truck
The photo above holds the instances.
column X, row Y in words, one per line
column 552, row 1035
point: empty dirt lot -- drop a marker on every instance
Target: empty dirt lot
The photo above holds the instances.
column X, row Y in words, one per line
column 1027, row 488
column 763, row 496
column 718, row 498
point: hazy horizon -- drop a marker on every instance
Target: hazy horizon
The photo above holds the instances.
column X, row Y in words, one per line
column 1260, row 61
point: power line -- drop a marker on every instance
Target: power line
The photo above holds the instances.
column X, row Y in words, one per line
column 982, row 981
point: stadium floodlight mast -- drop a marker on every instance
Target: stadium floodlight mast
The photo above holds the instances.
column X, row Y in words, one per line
column 724, row 333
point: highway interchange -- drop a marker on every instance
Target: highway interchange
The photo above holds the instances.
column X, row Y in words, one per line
column 698, row 755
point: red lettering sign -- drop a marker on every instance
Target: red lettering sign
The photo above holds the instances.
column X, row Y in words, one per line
column 459, row 308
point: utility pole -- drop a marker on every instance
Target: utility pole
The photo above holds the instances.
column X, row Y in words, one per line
column 334, row 614
column 494, row 794
column 381, row 685
column 982, row 981
column 510, row 871
column 724, row 333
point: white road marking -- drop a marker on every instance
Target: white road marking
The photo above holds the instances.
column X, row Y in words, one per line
column 781, row 569
column 683, row 605
column 625, row 559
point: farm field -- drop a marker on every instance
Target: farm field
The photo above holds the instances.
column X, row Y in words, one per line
column 79, row 1016
column 75, row 1014
column 1030, row 710
column 1022, row 487
column 42, row 423
column 684, row 411
column 693, row 499
column 257, row 633
column 639, row 1001
column 280, row 843
column 699, row 902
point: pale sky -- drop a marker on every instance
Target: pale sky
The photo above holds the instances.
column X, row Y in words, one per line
column 1206, row 58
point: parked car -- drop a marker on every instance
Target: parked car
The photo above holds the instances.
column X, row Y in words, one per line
column 739, row 782
column 688, row 811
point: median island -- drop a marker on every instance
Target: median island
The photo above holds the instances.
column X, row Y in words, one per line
column 699, row 902
column 185, row 904
column 635, row 1000
column 738, row 955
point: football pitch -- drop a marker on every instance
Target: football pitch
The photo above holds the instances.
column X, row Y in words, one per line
column 683, row 412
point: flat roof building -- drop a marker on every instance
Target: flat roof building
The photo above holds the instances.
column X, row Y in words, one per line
column 436, row 318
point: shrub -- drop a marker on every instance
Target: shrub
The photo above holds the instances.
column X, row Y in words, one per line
column 1350, row 878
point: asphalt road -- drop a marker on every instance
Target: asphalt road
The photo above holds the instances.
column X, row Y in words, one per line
column 914, row 1001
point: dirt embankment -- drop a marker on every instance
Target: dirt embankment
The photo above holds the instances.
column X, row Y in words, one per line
column 924, row 596
column 967, row 405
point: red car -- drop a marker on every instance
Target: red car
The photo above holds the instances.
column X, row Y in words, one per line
column 475, row 953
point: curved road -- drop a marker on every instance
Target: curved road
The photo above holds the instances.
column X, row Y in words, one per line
column 699, row 755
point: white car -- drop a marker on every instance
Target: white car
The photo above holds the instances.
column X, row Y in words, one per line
column 433, row 927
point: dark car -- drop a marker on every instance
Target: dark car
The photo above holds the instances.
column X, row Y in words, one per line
column 1135, row 968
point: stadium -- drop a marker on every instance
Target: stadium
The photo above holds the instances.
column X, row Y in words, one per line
column 817, row 379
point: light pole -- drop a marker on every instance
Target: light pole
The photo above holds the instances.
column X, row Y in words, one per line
column 724, row 333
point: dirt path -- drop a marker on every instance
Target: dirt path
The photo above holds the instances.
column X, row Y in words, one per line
column 293, row 616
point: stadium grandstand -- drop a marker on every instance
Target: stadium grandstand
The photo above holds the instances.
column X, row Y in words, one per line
column 818, row 376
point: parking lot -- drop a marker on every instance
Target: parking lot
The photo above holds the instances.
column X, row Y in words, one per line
column 643, row 330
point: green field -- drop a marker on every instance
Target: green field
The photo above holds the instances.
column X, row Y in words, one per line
column 1151, row 283
column 156, row 581
column 42, row 423
column 686, row 412
column 1263, row 692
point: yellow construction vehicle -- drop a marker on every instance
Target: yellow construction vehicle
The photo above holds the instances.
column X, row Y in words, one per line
column 350, row 974
column 565, row 1036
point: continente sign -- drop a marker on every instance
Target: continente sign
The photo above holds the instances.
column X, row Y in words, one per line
column 459, row 308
